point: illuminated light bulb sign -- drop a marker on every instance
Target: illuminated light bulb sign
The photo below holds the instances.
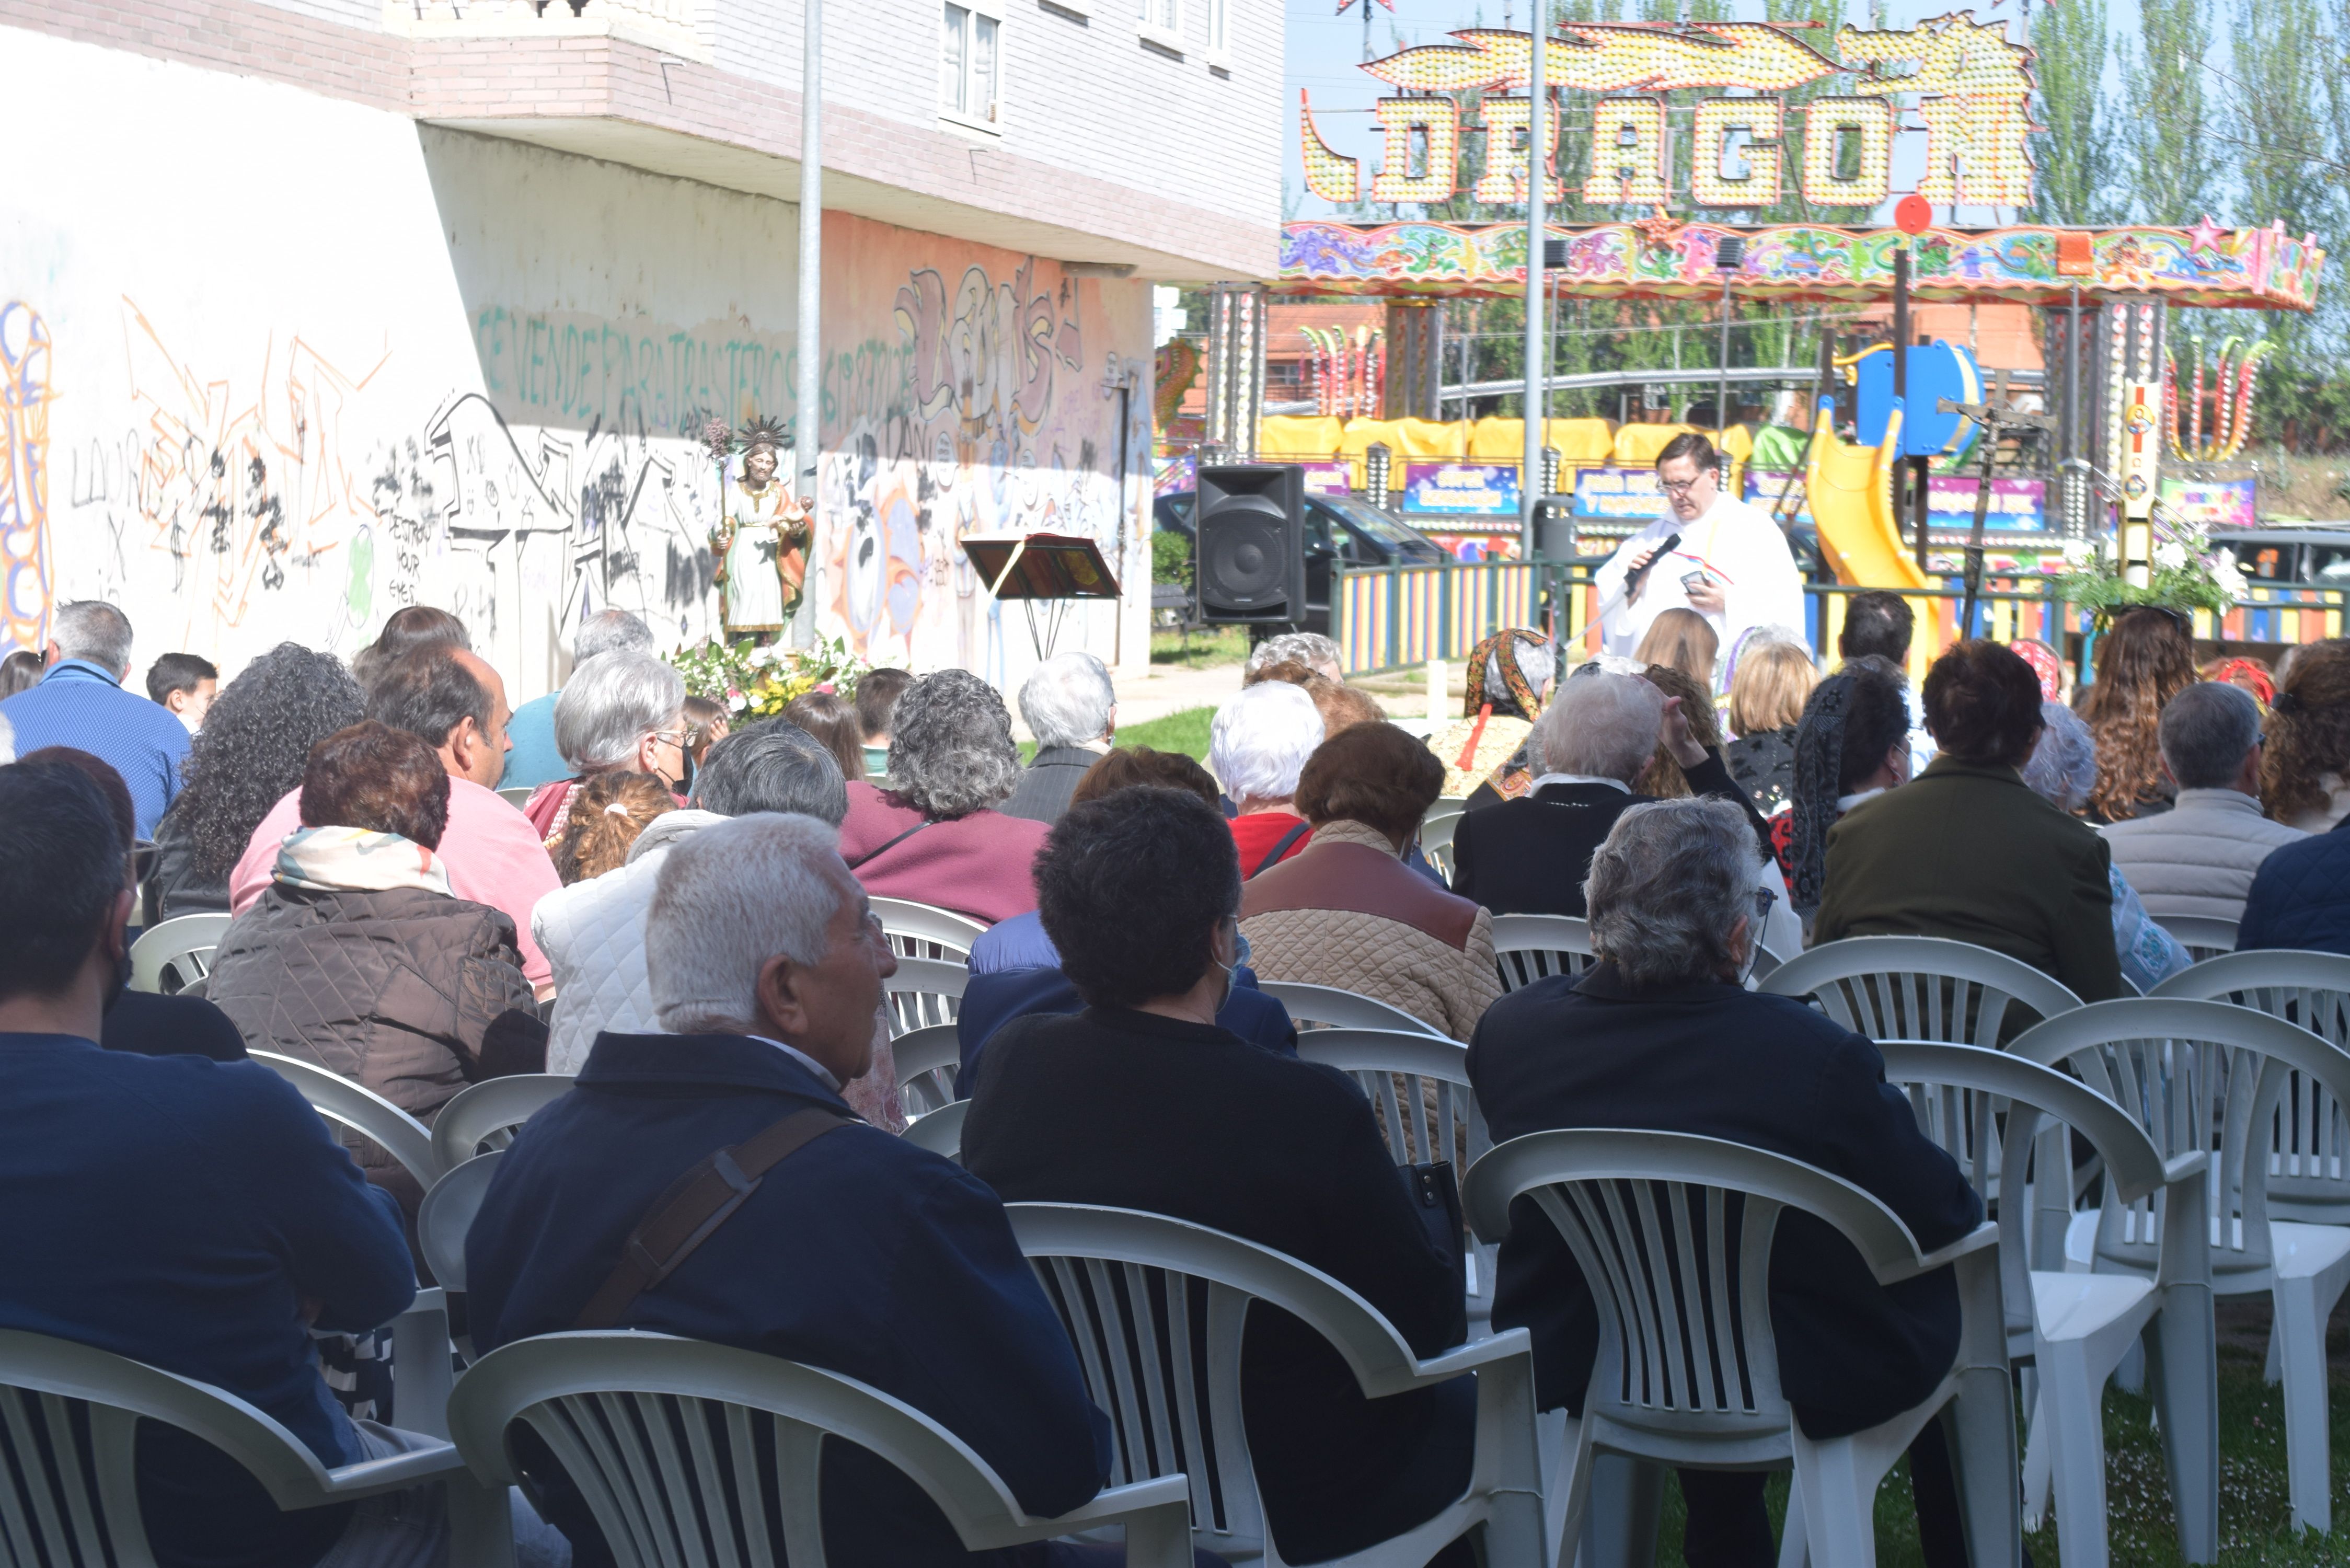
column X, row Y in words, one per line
column 1972, row 88
column 1327, row 175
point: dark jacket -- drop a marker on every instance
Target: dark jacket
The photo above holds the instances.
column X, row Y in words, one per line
column 1720, row 1061
column 178, row 1212
column 1047, row 781
column 861, row 1254
column 1764, row 766
column 397, row 990
column 1970, row 853
column 1136, row 1111
column 174, row 888
column 2301, row 897
column 1530, row 856
column 153, row 1025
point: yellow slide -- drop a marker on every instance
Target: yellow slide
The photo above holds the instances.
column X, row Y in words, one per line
column 1851, row 491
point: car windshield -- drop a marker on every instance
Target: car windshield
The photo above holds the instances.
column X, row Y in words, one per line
column 1376, row 523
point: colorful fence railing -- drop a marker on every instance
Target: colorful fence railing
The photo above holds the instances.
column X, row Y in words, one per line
column 1395, row 618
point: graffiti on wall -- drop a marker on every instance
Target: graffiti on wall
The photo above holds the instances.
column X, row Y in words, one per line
column 236, row 512
column 24, row 476
column 984, row 414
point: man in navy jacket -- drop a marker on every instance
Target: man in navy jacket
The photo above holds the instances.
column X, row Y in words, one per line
column 2300, row 898
column 192, row 1214
column 859, row 1253
column 1660, row 1036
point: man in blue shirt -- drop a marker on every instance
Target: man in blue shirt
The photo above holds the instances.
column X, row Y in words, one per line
column 191, row 1214
column 533, row 759
column 80, row 702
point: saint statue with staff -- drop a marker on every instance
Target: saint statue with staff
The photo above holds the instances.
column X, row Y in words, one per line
column 761, row 542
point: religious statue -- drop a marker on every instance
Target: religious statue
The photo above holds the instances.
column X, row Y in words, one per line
column 762, row 538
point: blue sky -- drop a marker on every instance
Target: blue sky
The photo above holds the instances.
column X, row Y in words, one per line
column 1324, row 48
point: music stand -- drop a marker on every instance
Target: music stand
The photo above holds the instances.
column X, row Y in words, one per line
column 1041, row 569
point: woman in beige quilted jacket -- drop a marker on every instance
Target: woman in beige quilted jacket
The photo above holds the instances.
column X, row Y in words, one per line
column 1347, row 912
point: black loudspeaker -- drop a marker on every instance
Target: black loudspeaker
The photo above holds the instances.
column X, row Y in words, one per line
column 1251, row 558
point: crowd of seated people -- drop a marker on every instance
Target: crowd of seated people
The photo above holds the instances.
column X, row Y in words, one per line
column 673, row 906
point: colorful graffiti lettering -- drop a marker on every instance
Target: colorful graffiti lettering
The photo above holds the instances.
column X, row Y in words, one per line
column 24, row 476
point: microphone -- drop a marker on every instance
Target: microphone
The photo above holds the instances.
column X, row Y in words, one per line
column 1664, row 547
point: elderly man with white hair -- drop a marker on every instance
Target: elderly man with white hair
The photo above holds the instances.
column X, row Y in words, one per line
column 1071, row 708
column 1659, row 1035
column 1258, row 745
column 850, row 1249
column 1530, row 856
column 535, row 759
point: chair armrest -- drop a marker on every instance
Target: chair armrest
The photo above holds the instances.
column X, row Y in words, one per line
column 421, row 1372
column 2186, row 1223
column 1122, row 1500
column 393, row 1472
column 1983, row 1235
column 1476, row 1353
column 2180, row 1166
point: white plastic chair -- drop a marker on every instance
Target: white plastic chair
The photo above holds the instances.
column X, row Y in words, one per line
column 448, row 1212
column 518, row 795
column 940, row 1131
column 1917, row 988
column 1331, row 1007
column 2309, row 1148
column 65, row 1505
column 1177, row 1416
column 181, row 947
column 635, row 1420
column 363, row 1111
column 2203, row 936
column 483, row 1111
column 927, row 931
column 927, row 1061
column 1639, row 1210
column 1987, row 1108
column 1418, row 1084
column 1436, row 834
column 924, row 991
column 2186, row 1072
column 1528, row 948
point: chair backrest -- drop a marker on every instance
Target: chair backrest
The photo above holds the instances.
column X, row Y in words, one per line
column 518, row 795
column 484, row 1115
column 363, row 1111
column 1418, row 1084
column 1527, row 948
column 1984, row 1108
column 1917, row 988
column 1648, row 1219
column 1436, row 834
column 922, row 992
column 939, row 1131
column 68, row 1415
column 1155, row 1307
column 666, row 1440
column 2203, row 936
column 927, row 931
column 1332, row 1008
column 2196, row 1076
column 171, row 954
column 448, row 1213
column 927, row 1061
column 2309, row 1144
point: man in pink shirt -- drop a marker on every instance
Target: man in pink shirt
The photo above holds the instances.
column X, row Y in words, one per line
column 456, row 704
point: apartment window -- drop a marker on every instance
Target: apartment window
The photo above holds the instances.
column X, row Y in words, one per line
column 969, row 64
column 1161, row 23
column 1219, row 25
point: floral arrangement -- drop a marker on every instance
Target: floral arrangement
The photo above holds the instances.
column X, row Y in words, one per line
column 758, row 681
column 2186, row 573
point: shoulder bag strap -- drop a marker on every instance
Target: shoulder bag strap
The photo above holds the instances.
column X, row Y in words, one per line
column 1273, row 856
column 876, row 854
column 696, row 1204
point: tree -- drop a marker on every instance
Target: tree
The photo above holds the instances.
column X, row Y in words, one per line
column 2073, row 178
column 2173, row 164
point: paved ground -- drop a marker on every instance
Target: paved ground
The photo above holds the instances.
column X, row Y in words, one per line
column 1171, row 689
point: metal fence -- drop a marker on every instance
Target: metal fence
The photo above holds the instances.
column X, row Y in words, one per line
column 1387, row 618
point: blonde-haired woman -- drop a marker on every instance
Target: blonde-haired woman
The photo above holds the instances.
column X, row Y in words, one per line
column 1768, row 689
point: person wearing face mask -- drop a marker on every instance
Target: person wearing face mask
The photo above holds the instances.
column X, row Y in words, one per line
column 1142, row 1102
column 1710, row 551
column 193, row 1215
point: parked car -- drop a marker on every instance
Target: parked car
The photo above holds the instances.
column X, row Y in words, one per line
column 1340, row 531
column 2317, row 555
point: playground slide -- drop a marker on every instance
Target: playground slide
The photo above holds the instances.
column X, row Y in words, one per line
column 1851, row 493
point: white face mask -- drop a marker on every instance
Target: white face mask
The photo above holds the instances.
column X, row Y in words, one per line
column 1240, row 956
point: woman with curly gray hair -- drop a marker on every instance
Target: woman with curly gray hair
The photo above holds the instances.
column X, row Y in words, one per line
column 927, row 831
column 250, row 753
column 2064, row 772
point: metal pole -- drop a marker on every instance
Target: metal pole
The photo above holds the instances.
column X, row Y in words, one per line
column 809, row 418
column 1536, row 398
column 1721, row 388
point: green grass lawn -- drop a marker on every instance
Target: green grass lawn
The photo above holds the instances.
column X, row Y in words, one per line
column 2255, row 1519
column 1186, row 732
column 1203, row 649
